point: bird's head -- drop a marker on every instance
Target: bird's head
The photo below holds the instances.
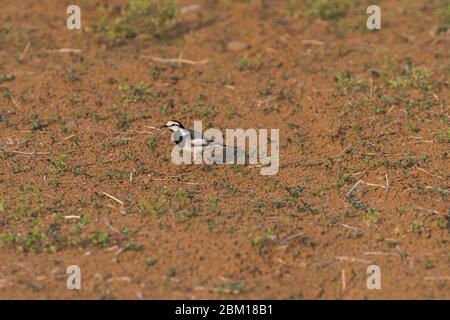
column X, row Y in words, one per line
column 173, row 125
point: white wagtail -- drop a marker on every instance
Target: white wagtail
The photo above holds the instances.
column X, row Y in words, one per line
column 190, row 141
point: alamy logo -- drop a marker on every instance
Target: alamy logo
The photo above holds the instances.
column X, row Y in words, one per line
column 374, row 280
column 374, row 20
column 74, row 278
column 73, row 20
column 198, row 147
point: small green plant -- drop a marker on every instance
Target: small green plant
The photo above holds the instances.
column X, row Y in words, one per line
column 185, row 196
column 412, row 128
column 417, row 227
column 9, row 34
column 443, row 223
column 327, row 9
column 132, row 246
column 261, row 241
column 428, row 265
column 213, row 204
column 295, row 191
column 235, row 287
column 152, row 142
column 172, row 272
column 343, row 79
column 150, row 261
column 155, row 207
column 371, row 216
column 101, row 238
column 416, row 77
column 57, row 165
column 9, row 238
column 346, row 178
column 134, row 93
column 293, row 8
column 420, row 79
column 442, row 136
column 443, row 13
column 376, row 109
column 248, row 63
column 150, row 19
column 7, row 77
column 190, row 213
column 34, row 240
column 279, row 203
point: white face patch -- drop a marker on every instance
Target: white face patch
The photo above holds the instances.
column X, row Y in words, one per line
column 174, row 128
column 172, row 123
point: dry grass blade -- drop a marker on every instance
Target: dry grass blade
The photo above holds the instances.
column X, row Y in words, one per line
column 344, row 284
column 350, row 192
column 115, row 199
column 24, row 153
column 312, row 42
column 66, row 50
column 179, row 61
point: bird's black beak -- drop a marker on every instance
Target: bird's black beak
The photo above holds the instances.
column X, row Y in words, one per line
column 163, row 126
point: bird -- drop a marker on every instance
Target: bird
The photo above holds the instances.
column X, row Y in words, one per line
column 190, row 141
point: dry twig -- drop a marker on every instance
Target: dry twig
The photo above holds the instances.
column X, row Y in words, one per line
column 179, row 61
column 65, row 50
column 33, row 153
column 116, row 200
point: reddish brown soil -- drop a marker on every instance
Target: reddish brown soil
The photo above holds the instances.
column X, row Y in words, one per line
column 222, row 236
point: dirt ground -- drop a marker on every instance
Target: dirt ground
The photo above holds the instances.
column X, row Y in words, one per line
column 364, row 153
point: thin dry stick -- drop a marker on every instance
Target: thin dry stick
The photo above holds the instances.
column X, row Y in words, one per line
column 119, row 251
column 65, row 50
column 354, row 187
column 377, row 253
column 67, row 138
column 438, row 278
column 421, row 141
column 347, row 226
column 436, row 188
column 343, row 151
column 33, row 153
column 72, row 217
column 179, row 61
column 385, row 154
column 115, row 199
column 126, row 279
column 25, row 51
column 387, row 186
column 344, row 286
column 175, row 179
column 312, row 42
column 106, row 222
column 429, row 210
column 291, row 237
column 153, row 128
column 15, row 102
column 37, row 132
column 374, row 185
column 433, row 175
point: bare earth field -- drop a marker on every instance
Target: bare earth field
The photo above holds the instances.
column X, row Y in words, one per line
column 364, row 174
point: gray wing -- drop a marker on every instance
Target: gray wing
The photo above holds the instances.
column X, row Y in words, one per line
column 198, row 139
column 225, row 152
